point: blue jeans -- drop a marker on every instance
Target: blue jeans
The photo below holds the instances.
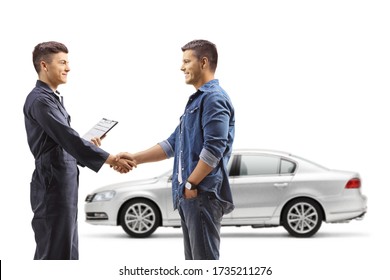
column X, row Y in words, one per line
column 201, row 223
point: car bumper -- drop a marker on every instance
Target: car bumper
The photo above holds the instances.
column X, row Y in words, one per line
column 345, row 209
column 100, row 213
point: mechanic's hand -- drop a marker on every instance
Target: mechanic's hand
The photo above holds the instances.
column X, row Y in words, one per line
column 121, row 165
column 97, row 141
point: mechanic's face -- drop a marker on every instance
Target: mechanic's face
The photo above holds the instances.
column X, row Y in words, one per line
column 56, row 70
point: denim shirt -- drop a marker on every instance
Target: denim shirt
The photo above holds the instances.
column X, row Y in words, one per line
column 205, row 131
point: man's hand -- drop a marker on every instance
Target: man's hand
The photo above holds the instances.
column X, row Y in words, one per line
column 153, row 154
column 190, row 193
column 127, row 157
column 122, row 165
column 97, row 141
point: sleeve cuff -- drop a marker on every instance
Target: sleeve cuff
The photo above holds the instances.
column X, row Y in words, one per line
column 167, row 148
column 209, row 158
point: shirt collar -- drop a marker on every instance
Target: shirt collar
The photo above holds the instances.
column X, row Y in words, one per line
column 209, row 85
column 206, row 87
column 46, row 88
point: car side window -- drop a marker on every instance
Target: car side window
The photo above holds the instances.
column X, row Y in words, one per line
column 259, row 165
column 287, row 167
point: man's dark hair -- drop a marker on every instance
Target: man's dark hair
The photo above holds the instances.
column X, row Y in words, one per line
column 44, row 51
column 203, row 48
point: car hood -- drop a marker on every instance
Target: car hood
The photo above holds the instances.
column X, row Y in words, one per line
column 128, row 184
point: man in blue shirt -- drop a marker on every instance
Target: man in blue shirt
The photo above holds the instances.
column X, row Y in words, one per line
column 201, row 146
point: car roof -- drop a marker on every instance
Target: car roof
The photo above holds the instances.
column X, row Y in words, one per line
column 262, row 151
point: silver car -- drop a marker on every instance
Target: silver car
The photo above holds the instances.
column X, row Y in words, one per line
column 270, row 188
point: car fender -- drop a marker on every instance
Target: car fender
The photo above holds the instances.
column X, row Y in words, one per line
column 278, row 211
column 142, row 195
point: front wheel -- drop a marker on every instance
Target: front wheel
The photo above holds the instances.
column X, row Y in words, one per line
column 302, row 217
column 139, row 218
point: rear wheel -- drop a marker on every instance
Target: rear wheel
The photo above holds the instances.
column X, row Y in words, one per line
column 139, row 218
column 302, row 217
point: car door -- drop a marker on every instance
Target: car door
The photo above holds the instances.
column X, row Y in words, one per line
column 173, row 217
column 260, row 183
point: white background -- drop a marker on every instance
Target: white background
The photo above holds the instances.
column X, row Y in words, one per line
column 307, row 77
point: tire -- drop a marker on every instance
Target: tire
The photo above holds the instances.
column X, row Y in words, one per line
column 302, row 217
column 139, row 218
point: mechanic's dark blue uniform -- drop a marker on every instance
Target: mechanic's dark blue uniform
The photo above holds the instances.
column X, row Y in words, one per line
column 57, row 150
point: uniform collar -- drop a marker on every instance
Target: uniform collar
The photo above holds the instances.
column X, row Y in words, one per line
column 47, row 89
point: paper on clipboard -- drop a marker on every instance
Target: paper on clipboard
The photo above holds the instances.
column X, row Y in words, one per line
column 100, row 129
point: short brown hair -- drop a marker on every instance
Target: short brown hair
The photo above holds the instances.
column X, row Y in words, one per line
column 44, row 51
column 203, row 48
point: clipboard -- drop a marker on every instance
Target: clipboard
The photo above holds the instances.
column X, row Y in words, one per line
column 100, row 129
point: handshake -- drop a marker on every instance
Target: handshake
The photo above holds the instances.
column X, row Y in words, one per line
column 125, row 162
column 122, row 162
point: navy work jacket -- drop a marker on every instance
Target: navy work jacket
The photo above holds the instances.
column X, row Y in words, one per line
column 57, row 150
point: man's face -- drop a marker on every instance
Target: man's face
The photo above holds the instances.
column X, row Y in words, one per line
column 192, row 69
column 57, row 70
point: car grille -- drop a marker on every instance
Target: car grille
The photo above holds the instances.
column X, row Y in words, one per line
column 96, row 216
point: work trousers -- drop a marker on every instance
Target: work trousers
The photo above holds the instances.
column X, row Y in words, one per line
column 54, row 197
column 56, row 238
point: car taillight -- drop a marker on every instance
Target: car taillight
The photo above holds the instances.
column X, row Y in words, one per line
column 353, row 184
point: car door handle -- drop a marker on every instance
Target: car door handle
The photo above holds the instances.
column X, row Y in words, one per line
column 281, row 185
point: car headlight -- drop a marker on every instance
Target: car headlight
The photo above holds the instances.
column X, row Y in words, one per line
column 103, row 196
